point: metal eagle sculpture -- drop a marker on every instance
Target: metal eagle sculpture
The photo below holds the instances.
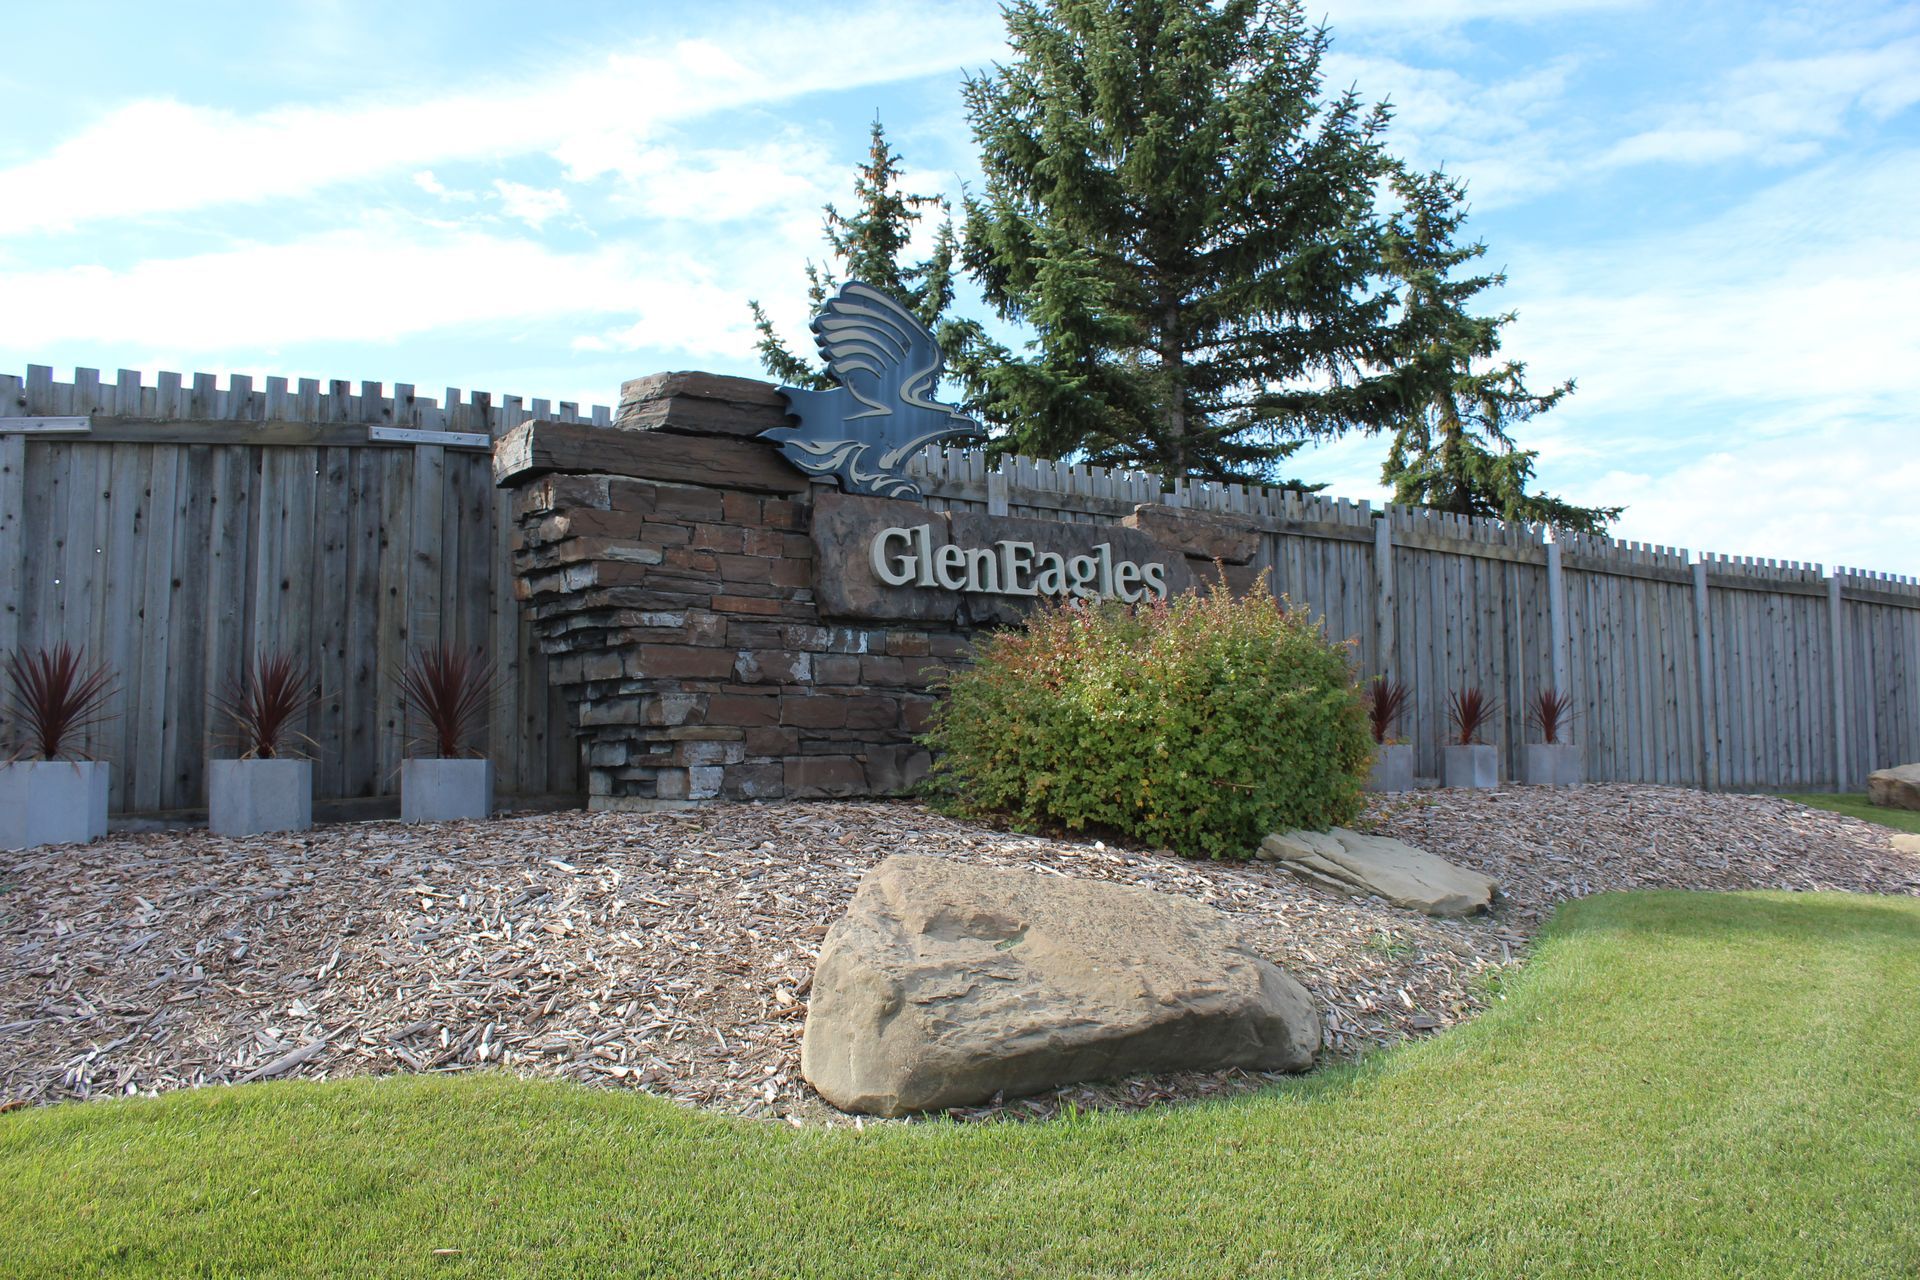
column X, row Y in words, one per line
column 883, row 412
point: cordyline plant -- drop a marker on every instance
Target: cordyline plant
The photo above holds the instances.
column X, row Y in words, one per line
column 1386, row 703
column 1469, row 710
column 53, row 697
column 265, row 703
column 1548, row 712
column 446, row 690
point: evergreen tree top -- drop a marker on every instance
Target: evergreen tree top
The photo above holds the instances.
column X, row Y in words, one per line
column 1190, row 227
column 1452, row 447
column 867, row 243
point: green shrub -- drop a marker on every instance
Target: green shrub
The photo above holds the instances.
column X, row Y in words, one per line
column 1200, row 725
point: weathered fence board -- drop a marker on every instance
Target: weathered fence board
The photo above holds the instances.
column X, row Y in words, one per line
column 1715, row 671
column 197, row 526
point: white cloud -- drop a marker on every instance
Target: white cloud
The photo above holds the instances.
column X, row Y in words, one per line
column 1507, row 137
column 720, row 184
column 1833, row 494
column 453, row 278
column 530, row 205
column 426, row 180
column 1686, row 146
column 1801, row 295
column 159, row 145
column 1815, row 94
column 1778, row 110
column 1520, row 136
column 1400, row 15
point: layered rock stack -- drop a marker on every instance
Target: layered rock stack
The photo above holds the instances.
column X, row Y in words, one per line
column 667, row 568
column 669, row 565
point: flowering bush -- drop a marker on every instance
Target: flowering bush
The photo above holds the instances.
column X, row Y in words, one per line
column 1201, row 725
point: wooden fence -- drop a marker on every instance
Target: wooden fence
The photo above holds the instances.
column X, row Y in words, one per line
column 177, row 529
column 1706, row 671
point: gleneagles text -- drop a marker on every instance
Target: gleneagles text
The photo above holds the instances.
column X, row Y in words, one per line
column 908, row 557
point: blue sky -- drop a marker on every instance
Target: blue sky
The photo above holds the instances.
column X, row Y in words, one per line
column 1710, row 213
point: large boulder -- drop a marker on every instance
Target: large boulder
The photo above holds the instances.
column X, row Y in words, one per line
column 1403, row 875
column 1896, row 788
column 949, row 982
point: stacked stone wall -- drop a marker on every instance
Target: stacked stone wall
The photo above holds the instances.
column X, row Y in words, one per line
column 682, row 620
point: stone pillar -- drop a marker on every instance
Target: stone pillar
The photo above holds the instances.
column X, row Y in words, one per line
column 667, row 568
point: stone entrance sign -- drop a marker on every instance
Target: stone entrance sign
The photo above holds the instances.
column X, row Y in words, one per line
column 726, row 626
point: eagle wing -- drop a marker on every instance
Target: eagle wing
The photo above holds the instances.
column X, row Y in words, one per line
column 876, row 348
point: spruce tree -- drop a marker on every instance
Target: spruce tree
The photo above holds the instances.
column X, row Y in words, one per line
column 1190, row 230
column 1452, row 449
column 866, row 245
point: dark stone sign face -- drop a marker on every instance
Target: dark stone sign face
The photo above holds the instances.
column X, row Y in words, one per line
column 889, row 560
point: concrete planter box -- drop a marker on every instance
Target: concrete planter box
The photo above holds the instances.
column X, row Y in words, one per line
column 252, row 797
column 1557, row 765
column 1392, row 768
column 1477, row 766
column 445, row 790
column 52, row 802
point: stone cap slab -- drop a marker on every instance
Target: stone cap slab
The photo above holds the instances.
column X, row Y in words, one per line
column 1204, row 535
column 693, row 403
column 538, row 448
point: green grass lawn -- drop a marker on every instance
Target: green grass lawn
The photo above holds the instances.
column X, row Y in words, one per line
column 1855, row 805
column 1676, row 1085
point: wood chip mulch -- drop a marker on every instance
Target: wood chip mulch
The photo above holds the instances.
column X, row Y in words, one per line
column 672, row 952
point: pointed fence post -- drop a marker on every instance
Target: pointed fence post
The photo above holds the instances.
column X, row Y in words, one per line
column 1837, row 644
column 1557, row 617
column 1383, row 608
column 13, row 543
column 1709, row 705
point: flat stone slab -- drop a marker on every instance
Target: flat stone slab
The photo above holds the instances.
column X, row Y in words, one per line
column 1403, row 875
column 1896, row 788
column 949, row 982
column 1204, row 535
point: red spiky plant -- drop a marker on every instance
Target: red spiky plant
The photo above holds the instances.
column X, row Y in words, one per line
column 1386, row 703
column 447, row 690
column 53, row 697
column 1469, row 710
column 1548, row 711
column 265, row 703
